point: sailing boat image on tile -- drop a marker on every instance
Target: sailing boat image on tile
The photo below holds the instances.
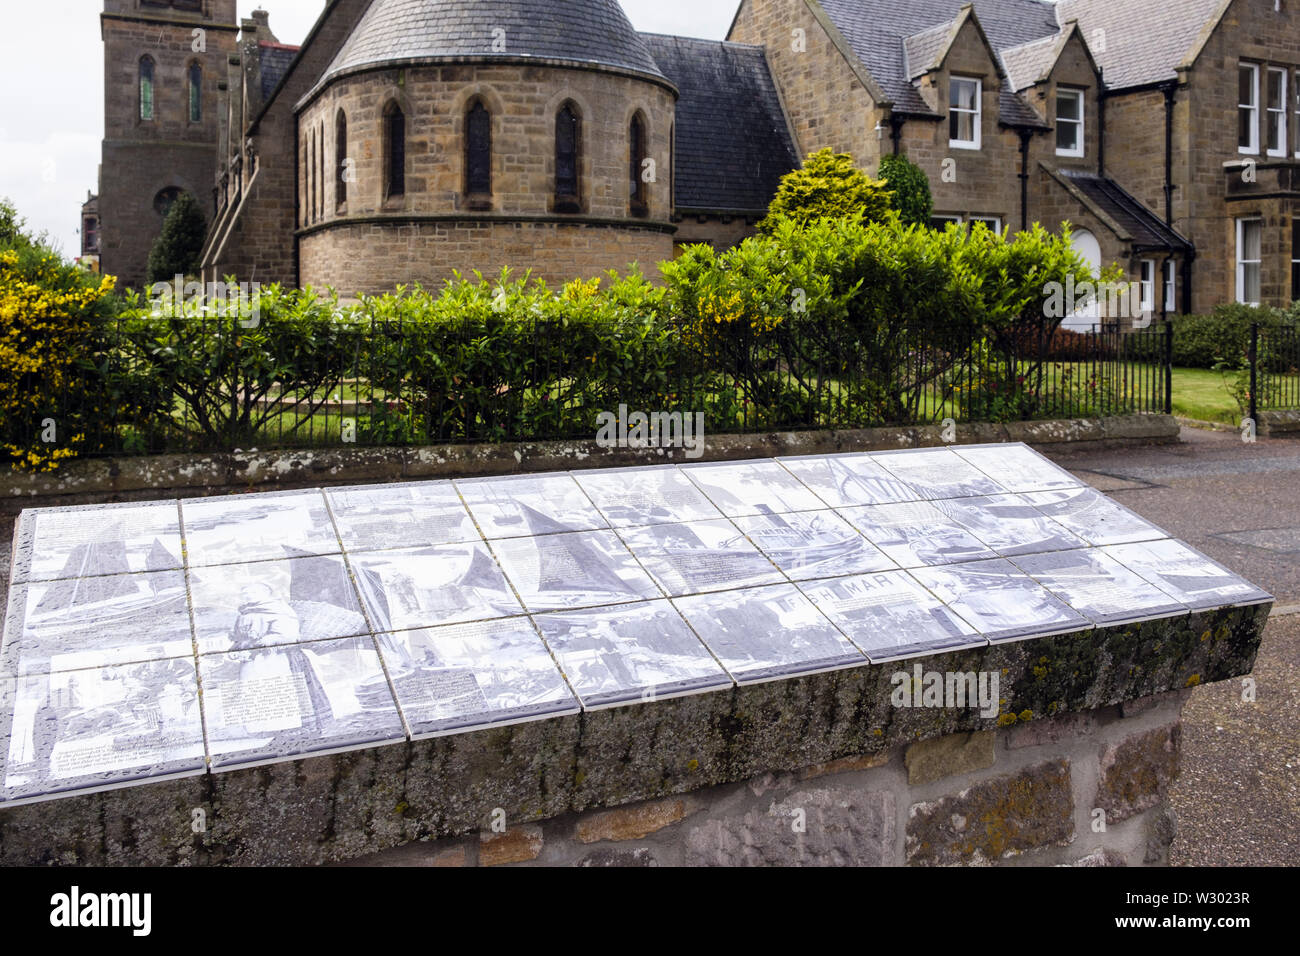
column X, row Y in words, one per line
column 82, row 542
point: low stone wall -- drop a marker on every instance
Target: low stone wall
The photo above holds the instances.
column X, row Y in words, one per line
column 1087, row 790
column 1279, row 423
column 158, row 474
column 1085, row 722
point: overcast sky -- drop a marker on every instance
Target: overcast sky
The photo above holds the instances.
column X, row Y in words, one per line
column 52, row 92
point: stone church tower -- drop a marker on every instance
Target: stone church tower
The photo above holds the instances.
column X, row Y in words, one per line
column 163, row 60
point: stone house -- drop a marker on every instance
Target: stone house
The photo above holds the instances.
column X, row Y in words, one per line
column 407, row 139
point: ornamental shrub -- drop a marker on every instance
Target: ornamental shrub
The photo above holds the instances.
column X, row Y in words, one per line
column 828, row 186
column 53, row 398
column 178, row 248
column 910, row 189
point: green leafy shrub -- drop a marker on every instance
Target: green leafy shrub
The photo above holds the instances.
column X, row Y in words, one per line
column 177, row 250
column 1207, row 341
column 228, row 378
column 910, row 188
column 828, row 186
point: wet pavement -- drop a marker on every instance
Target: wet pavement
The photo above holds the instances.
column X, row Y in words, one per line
column 1237, row 797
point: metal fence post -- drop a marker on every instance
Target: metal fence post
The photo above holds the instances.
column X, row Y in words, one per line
column 1169, row 367
column 1254, row 371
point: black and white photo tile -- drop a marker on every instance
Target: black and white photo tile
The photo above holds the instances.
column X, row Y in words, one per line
column 889, row 616
column 700, row 556
column 100, row 727
column 275, row 703
column 813, row 544
column 938, row 473
column 1099, row 587
column 751, row 487
column 630, row 653
column 91, row 622
column 1008, row 524
column 1187, row 575
column 424, row 587
column 469, row 676
column 406, row 515
column 1094, row 517
column 582, row 569
column 90, row 540
column 916, row 534
column 851, row 479
column 520, row 505
column 1001, row 601
column 239, row 607
column 1017, row 467
column 768, row 633
column 238, row 528
column 655, row 494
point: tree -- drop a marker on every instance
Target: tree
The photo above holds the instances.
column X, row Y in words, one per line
column 178, row 247
column 910, row 187
column 828, row 186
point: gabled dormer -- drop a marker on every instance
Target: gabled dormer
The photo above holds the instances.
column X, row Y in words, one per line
column 1060, row 79
column 957, row 72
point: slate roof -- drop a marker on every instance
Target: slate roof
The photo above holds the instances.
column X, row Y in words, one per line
column 923, row 49
column 276, row 58
column 1026, row 64
column 1144, row 40
column 877, row 31
column 577, row 31
column 732, row 141
column 1148, row 230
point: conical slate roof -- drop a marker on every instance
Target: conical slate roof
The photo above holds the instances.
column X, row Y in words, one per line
column 577, row 31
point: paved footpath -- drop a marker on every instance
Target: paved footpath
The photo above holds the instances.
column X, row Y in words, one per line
column 1237, row 797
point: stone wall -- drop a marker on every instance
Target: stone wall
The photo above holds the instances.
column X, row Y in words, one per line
column 1090, row 790
column 825, row 97
column 375, row 256
column 141, row 158
column 155, row 475
column 255, row 241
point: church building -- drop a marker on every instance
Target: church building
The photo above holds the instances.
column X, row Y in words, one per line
column 406, row 140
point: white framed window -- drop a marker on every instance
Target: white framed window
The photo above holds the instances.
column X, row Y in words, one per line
column 994, row 223
column 1248, row 108
column 1295, row 86
column 1250, row 258
column 1275, row 101
column 1147, row 286
column 1171, row 285
column 941, row 221
column 1069, row 122
column 965, row 96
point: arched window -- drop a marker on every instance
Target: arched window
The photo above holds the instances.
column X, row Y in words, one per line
column 568, row 129
column 478, row 151
column 394, row 151
column 341, row 162
column 311, row 180
column 637, row 190
column 196, row 93
column 320, row 170
column 146, row 88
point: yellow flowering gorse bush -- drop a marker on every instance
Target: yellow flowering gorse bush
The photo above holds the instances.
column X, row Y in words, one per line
column 46, row 313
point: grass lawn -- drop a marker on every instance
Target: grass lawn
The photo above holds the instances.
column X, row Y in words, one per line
column 1203, row 394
